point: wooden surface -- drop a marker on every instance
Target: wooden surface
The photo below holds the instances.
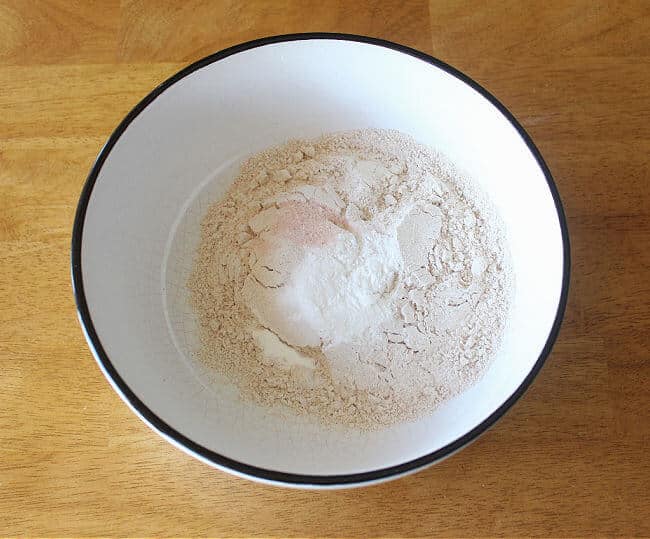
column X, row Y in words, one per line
column 571, row 458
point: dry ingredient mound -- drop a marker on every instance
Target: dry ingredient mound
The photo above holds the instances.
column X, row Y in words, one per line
column 357, row 278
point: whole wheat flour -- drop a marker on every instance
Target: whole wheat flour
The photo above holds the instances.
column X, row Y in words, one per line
column 358, row 278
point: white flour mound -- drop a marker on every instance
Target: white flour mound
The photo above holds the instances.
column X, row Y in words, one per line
column 357, row 278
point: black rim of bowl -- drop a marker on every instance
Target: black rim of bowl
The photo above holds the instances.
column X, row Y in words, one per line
column 241, row 468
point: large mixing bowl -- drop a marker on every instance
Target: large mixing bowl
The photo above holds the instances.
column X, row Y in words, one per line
column 137, row 227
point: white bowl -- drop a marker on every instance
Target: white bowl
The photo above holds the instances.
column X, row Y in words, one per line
column 137, row 226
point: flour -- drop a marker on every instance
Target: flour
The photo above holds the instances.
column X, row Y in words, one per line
column 358, row 278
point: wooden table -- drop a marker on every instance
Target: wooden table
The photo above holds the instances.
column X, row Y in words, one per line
column 571, row 458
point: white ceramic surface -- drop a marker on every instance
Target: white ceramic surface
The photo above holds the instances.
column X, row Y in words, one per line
column 138, row 226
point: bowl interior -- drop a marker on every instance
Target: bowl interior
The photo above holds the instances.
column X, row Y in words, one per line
column 182, row 151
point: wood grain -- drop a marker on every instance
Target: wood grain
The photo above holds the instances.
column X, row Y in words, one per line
column 570, row 459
